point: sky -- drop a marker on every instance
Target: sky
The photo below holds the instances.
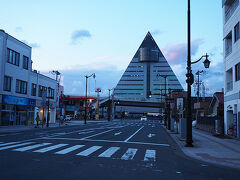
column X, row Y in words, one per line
column 79, row 37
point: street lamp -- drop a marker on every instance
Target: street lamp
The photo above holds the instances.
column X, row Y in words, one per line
column 165, row 89
column 190, row 80
column 85, row 116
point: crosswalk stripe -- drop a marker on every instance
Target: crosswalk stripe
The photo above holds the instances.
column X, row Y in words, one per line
column 129, row 154
column 8, row 143
column 70, row 149
column 16, row 145
column 31, row 147
column 50, row 148
column 89, row 151
column 150, row 155
column 109, row 152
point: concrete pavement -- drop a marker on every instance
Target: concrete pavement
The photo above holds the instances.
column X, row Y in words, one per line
column 211, row 149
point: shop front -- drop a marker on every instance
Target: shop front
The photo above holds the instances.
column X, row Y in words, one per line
column 17, row 110
column 42, row 109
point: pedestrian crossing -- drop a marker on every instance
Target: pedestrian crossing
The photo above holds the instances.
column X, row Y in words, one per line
column 87, row 151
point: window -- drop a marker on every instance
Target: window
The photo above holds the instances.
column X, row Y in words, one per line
column 21, row 86
column 41, row 90
column 34, row 89
column 7, row 83
column 13, row 57
column 236, row 32
column 237, row 72
column 50, row 93
column 25, row 62
column 228, row 44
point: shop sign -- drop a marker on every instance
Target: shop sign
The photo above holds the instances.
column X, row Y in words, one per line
column 18, row 100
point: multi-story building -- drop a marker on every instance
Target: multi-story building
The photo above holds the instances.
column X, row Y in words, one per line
column 148, row 77
column 231, row 48
column 23, row 92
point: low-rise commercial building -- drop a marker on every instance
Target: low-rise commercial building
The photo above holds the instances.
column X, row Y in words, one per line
column 23, row 92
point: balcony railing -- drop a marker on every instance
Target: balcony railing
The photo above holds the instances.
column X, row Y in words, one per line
column 228, row 51
column 229, row 86
column 230, row 10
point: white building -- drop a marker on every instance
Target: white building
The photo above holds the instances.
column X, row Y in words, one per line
column 21, row 89
column 231, row 36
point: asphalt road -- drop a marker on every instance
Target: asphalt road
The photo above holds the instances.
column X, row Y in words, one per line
column 128, row 149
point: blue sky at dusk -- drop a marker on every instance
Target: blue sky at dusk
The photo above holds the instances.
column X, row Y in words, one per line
column 79, row 37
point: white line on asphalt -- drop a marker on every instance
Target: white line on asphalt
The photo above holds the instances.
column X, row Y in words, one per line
column 129, row 154
column 50, row 148
column 89, row 151
column 109, row 152
column 97, row 134
column 101, row 140
column 31, row 147
column 150, row 155
column 117, row 133
column 70, row 149
column 133, row 134
column 16, row 145
column 8, row 143
column 85, row 132
column 151, row 135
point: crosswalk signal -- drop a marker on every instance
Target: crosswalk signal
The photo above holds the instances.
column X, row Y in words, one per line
column 190, row 78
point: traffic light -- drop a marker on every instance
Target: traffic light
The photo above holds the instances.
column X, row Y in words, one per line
column 190, row 78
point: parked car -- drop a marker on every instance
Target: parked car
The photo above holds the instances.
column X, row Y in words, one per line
column 143, row 118
column 68, row 118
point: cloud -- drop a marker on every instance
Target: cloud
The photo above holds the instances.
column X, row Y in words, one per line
column 33, row 45
column 213, row 78
column 79, row 35
column 19, row 29
column 156, row 32
column 177, row 53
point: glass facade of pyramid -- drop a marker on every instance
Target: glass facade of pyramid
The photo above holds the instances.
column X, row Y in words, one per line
column 147, row 76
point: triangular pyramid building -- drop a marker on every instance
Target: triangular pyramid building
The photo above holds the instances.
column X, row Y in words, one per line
column 143, row 80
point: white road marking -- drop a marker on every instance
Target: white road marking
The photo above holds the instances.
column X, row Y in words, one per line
column 70, row 149
column 16, row 145
column 85, row 132
column 50, row 148
column 151, row 135
column 31, row 147
column 89, row 151
column 133, row 134
column 8, row 143
column 150, row 155
column 109, row 152
column 97, row 134
column 129, row 154
column 102, row 140
column 117, row 133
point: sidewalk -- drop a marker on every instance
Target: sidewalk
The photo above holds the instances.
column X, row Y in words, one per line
column 19, row 128
column 208, row 148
